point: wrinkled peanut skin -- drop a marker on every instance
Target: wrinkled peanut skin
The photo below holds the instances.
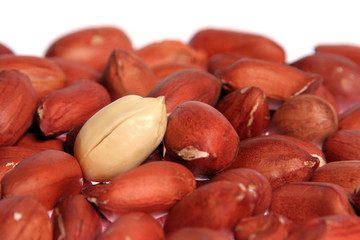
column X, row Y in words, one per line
column 187, row 85
column 214, row 41
column 315, row 198
column 217, row 205
column 24, row 218
column 159, row 186
column 278, row 159
column 134, row 226
column 72, row 213
column 90, row 46
column 17, row 106
column 201, row 138
column 259, row 186
column 61, row 170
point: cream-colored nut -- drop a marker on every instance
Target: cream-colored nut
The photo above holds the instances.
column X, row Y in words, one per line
column 120, row 136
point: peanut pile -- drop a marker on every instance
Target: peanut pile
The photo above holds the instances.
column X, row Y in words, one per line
column 215, row 138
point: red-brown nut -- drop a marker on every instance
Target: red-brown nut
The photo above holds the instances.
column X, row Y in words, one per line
column 126, row 74
column 247, row 110
column 63, row 109
column 196, row 233
column 151, row 187
column 278, row 81
column 5, row 49
column 171, row 51
column 38, row 142
column 75, row 71
column 214, row 41
column 350, row 119
column 201, row 138
column 311, row 148
column 258, row 186
column 23, row 217
column 341, row 76
column 324, row 93
column 222, row 60
column 328, row 228
column 302, row 201
column 346, row 50
column 91, row 47
column 134, row 226
column 71, row 137
column 163, row 70
column 307, row 117
column 355, row 198
column 342, row 173
column 278, row 159
column 342, row 145
column 187, row 85
column 218, row 205
column 17, row 106
column 262, row 227
column 45, row 75
column 47, row 175
column 10, row 156
column 75, row 218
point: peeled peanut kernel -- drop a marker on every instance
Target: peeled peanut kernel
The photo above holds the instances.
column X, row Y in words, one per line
column 120, row 136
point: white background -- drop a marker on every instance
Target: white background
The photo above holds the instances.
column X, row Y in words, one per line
column 29, row 27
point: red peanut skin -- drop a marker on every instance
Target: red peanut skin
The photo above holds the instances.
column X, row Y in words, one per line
column 45, row 75
column 342, row 145
column 77, row 218
column 330, row 228
column 346, row 50
column 259, row 186
column 263, row 227
column 311, row 148
column 17, row 106
column 14, row 154
column 63, row 109
column 195, row 126
column 134, row 226
column 23, row 217
column 38, row 142
column 248, row 111
column 93, row 190
column 272, row 78
column 355, row 198
column 307, row 117
column 303, row 201
column 324, row 93
column 340, row 76
column 71, row 137
column 187, row 85
column 11, row 156
column 218, row 205
column 350, row 119
column 75, row 71
column 127, row 74
column 278, row 159
column 159, row 185
column 47, row 175
column 222, row 60
column 342, row 173
column 196, row 233
column 163, row 70
column 170, row 51
column 91, row 47
column 5, row 49
column 214, row 41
